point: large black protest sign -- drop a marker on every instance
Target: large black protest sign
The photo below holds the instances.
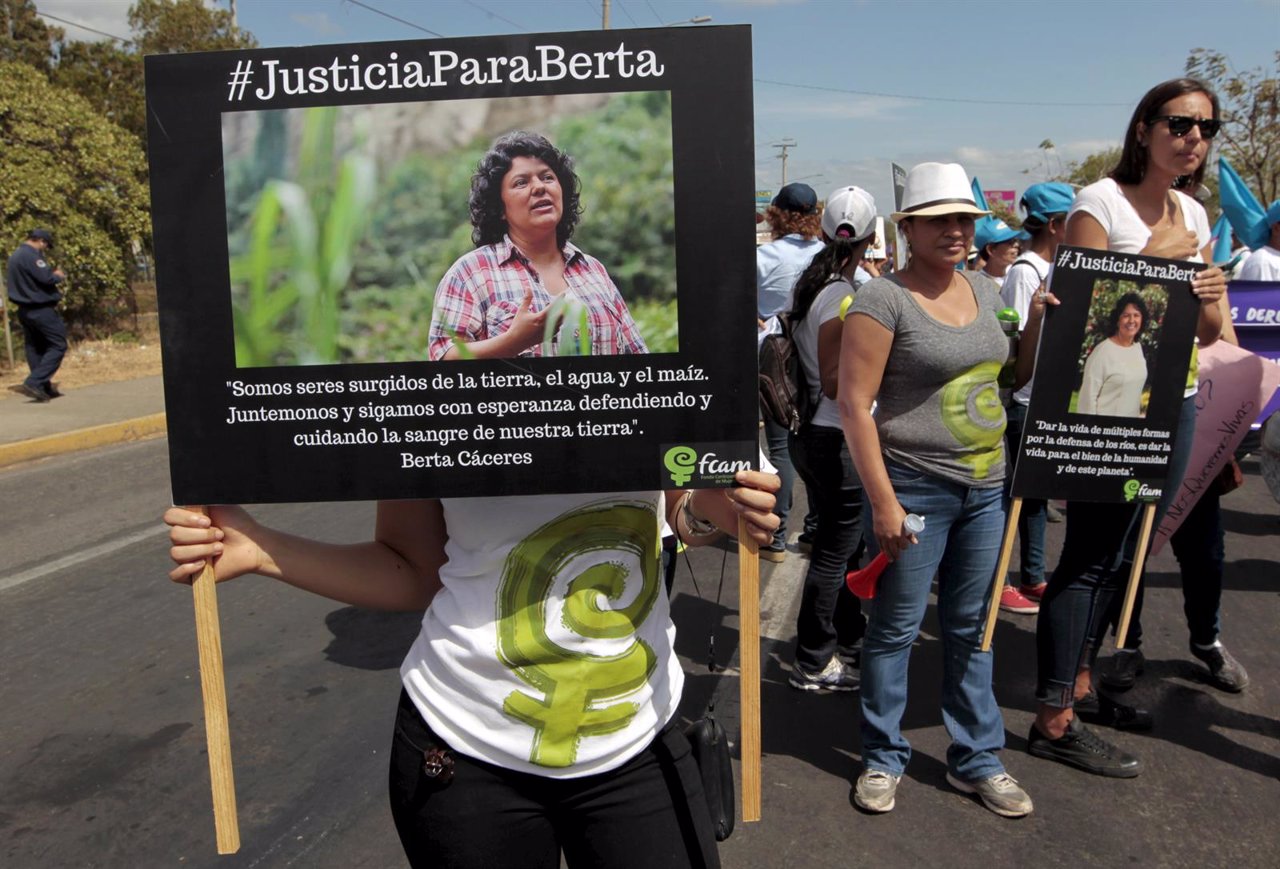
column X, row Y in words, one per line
column 1110, row 376
column 313, row 231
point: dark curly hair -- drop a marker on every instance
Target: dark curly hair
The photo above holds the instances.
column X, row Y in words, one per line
column 487, row 214
column 1132, row 167
column 1113, row 321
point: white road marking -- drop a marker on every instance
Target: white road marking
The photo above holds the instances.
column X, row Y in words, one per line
column 50, row 567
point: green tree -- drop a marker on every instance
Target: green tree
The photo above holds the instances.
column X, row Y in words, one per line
column 1093, row 168
column 24, row 36
column 109, row 77
column 174, row 26
column 69, row 169
column 1250, row 102
column 1002, row 211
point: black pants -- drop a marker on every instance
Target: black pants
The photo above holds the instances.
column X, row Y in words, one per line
column 650, row 813
column 830, row 615
column 45, row 340
column 1078, row 602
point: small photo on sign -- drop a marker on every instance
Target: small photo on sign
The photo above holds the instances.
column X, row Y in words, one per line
column 364, row 233
column 1119, row 350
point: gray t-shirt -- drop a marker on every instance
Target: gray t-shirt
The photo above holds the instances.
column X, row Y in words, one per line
column 939, row 408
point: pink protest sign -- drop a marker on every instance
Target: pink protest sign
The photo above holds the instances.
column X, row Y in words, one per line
column 1234, row 386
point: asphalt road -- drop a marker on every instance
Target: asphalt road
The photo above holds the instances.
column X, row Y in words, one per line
column 102, row 759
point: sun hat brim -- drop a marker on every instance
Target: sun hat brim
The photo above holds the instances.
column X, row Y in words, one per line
column 933, row 209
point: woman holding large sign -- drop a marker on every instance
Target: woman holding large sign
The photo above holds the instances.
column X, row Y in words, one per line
column 494, row 302
column 926, row 347
column 538, row 702
column 1141, row 208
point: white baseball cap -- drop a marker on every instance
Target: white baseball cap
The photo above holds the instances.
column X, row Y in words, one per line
column 850, row 213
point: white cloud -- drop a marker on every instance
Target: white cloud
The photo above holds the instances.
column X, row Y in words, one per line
column 109, row 16
column 317, row 22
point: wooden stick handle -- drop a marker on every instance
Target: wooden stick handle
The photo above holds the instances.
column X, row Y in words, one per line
column 1002, row 568
column 749, row 664
column 1135, row 575
column 216, row 728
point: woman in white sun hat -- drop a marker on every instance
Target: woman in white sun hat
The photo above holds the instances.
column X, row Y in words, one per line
column 925, row 347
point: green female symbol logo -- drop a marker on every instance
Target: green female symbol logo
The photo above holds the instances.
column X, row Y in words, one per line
column 1131, row 489
column 680, row 461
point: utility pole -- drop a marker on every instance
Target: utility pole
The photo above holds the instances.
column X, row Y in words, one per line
column 234, row 24
column 783, row 146
column 604, row 14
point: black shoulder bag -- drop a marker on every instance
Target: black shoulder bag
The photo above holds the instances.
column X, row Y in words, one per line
column 710, row 743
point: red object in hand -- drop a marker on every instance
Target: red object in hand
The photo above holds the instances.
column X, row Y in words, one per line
column 863, row 582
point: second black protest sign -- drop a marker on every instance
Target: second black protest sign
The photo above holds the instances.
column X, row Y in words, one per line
column 1110, row 376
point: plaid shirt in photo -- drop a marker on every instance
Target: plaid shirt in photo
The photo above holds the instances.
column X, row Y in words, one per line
column 480, row 294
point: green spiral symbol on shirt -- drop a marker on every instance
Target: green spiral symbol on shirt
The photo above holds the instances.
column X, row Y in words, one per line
column 972, row 411
column 577, row 693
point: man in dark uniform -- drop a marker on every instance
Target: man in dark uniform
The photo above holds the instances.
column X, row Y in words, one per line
column 33, row 287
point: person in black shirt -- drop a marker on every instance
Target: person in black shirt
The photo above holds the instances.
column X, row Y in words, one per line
column 33, row 287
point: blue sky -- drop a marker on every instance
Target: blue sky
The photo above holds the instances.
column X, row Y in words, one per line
column 1077, row 68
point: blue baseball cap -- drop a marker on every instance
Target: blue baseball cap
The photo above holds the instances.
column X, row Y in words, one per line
column 1044, row 200
column 42, row 234
column 797, row 197
column 992, row 230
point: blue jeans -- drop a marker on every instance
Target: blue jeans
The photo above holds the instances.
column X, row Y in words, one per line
column 961, row 543
column 830, row 614
column 1034, row 513
column 775, row 438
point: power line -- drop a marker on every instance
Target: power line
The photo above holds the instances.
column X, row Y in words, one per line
column 626, row 13
column 393, row 18
column 81, row 26
column 495, row 15
column 814, row 87
column 654, row 11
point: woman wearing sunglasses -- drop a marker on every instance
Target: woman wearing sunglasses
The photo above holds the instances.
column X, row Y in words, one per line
column 1141, row 208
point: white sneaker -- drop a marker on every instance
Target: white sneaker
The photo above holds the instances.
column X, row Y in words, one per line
column 875, row 790
column 1000, row 793
column 836, row 676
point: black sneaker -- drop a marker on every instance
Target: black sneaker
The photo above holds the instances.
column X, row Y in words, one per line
column 1126, row 667
column 34, row 392
column 1224, row 670
column 1100, row 709
column 804, row 542
column 1082, row 748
